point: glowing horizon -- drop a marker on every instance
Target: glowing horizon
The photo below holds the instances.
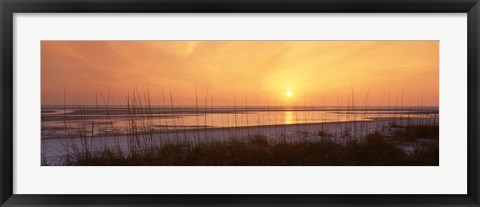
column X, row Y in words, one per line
column 320, row 73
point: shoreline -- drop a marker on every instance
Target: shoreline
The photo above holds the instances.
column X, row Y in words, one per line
column 202, row 129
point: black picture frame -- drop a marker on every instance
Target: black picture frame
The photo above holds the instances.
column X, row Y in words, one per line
column 9, row 7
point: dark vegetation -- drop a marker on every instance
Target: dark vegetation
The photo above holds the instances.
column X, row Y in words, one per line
column 374, row 149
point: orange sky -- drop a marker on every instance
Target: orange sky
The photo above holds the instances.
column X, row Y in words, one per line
column 316, row 70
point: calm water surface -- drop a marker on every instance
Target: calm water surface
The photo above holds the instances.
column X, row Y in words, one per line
column 118, row 120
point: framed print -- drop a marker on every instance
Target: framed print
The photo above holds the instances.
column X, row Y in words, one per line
column 134, row 130
column 239, row 103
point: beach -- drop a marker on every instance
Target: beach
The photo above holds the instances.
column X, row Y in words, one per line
column 55, row 149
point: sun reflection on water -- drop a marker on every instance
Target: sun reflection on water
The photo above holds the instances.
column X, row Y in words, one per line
column 288, row 117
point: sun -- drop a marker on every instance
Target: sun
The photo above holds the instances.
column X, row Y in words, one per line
column 288, row 94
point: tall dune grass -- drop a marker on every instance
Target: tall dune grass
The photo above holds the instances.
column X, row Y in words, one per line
column 373, row 150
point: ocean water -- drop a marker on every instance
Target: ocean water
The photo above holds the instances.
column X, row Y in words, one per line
column 58, row 121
